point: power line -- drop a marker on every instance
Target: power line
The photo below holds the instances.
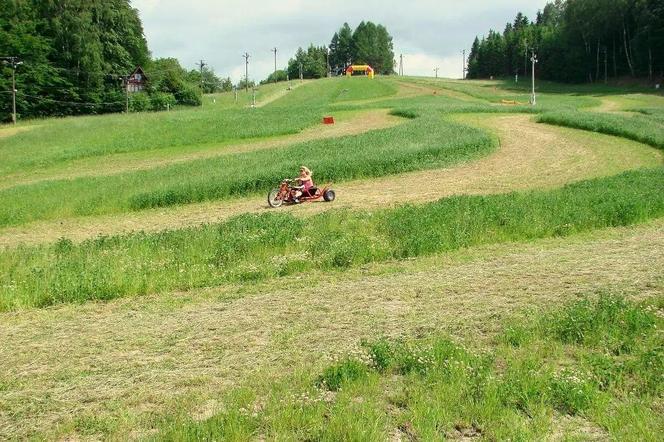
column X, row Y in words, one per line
column 71, row 103
column 110, row 73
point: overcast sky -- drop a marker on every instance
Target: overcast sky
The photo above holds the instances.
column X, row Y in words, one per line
column 429, row 33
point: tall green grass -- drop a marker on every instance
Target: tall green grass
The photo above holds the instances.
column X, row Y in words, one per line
column 73, row 138
column 327, row 91
column 638, row 127
column 654, row 113
column 245, row 98
column 359, row 88
column 255, row 247
column 422, row 143
column 542, row 384
column 54, row 141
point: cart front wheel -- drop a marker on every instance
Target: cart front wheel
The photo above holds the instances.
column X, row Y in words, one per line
column 273, row 198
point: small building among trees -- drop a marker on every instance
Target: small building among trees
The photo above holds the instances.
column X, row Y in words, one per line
column 137, row 81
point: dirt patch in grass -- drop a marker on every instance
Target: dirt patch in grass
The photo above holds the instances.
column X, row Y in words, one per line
column 349, row 124
column 531, row 156
column 611, row 105
column 623, row 103
column 282, row 92
column 119, row 365
column 11, row 130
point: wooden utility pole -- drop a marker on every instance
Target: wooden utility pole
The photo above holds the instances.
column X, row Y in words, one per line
column 275, row 63
column 246, row 71
column 126, row 82
column 436, row 71
column 525, row 58
column 606, row 65
column 533, row 59
column 14, row 63
column 201, row 65
column 401, row 65
column 327, row 61
column 463, row 67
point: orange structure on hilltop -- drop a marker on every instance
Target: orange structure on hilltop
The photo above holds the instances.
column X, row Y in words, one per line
column 368, row 70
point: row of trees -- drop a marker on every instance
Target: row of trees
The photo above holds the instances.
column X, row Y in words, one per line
column 577, row 41
column 170, row 84
column 75, row 53
column 368, row 44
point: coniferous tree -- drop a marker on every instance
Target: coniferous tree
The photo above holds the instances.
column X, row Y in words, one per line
column 346, row 46
column 579, row 41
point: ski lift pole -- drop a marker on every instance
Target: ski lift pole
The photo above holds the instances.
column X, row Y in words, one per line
column 533, row 59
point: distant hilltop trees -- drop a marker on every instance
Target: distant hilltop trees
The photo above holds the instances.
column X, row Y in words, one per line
column 76, row 57
column 368, row 44
column 577, row 41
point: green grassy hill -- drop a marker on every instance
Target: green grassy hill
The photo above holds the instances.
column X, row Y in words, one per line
column 489, row 269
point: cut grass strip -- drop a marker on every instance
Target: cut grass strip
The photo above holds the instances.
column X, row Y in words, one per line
column 589, row 369
column 256, row 247
column 424, row 143
column 58, row 141
column 640, row 128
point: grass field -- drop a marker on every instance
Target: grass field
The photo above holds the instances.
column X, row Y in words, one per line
column 489, row 270
column 437, row 388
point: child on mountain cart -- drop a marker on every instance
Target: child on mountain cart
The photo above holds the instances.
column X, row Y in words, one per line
column 306, row 184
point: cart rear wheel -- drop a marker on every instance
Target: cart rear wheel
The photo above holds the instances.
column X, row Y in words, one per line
column 273, row 198
column 329, row 195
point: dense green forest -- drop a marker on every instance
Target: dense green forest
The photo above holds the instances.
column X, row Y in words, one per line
column 74, row 55
column 577, row 41
column 368, row 44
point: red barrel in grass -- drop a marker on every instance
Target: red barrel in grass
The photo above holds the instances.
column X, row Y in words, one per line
column 328, row 120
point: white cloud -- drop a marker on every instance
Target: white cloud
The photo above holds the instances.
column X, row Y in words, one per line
column 422, row 64
column 427, row 32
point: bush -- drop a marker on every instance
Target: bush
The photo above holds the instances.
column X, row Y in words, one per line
column 189, row 95
column 139, row 102
column 411, row 114
column 115, row 101
column 162, row 101
column 274, row 77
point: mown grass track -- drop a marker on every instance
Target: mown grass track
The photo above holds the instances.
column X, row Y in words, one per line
column 250, row 248
column 130, row 362
column 531, row 156
column 179, row 363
